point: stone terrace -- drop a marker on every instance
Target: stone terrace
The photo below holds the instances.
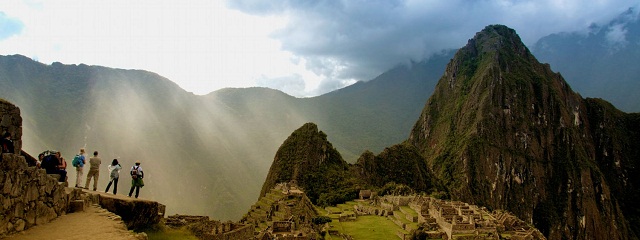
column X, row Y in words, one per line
column 447, row 219
column 283, row 213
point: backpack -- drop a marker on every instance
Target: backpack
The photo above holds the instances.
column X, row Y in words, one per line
column 114, row 171
column 134, row 173
column 49, row 161
column 76, row 161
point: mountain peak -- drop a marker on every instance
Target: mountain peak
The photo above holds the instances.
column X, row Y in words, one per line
column 500, row 125
column 307, row 158
column 494, row 38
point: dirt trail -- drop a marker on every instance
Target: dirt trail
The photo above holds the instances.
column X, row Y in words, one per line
column 93, row 224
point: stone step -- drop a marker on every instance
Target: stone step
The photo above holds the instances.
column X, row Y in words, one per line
column 410, row 214
column 76, row 206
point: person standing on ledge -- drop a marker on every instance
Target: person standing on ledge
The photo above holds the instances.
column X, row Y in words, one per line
column 78, row 162
column 94, row 171
column 114, row 174
column 136, row 178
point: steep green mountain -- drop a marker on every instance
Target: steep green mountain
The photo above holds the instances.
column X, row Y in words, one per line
column 503, row 131
column 376, row 114
column 600, row 63
column 402, row 164
column 308, row 159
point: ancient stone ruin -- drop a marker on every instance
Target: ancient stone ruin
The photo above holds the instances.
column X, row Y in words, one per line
column 446, row 219
column 205, row 228
column 284, row 213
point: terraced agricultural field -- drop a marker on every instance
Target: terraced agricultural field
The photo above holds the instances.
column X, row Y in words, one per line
column 365, row 227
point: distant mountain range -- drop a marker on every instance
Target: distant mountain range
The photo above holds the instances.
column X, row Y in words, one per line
column 216, row 149
column 600, row 62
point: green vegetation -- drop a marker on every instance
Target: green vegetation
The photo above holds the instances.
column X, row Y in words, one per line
column 368, row 227
column 172, row 235
column 309, row 159
column 161, row 232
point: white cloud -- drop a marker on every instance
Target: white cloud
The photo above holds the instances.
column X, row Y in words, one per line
column 201, row 45
column 616, row 35
column 204, row 45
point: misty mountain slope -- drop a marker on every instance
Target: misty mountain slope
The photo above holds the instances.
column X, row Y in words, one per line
column 214, row 148
column 184, row 143
column 375, row 114
column 601, row 63
column 504, row 131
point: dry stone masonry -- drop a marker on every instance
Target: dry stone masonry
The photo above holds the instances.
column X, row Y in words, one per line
column 28, row 196
column 446, row 219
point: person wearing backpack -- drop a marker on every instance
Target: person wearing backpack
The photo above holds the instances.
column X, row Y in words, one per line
column 114, row 174
column 94, row 171
column 136, row 178
column 78, row 162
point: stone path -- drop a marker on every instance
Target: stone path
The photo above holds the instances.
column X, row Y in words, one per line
column 93, row 224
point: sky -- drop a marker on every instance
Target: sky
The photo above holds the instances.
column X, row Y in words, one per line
column 303, row 47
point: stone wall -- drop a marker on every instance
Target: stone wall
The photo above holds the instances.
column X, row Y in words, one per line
column 216, row 230
column 136, row 213
column 28, row 196
column 11, row 121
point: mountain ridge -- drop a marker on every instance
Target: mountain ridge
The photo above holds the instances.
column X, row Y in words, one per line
column 134, row 114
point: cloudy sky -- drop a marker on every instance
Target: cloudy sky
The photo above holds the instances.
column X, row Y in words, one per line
column 302, row 47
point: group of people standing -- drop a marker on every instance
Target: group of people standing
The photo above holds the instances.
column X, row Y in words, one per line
column 79, row 162
column 54, row 163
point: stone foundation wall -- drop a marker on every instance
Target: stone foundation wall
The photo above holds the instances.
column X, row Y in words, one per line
column 136, row 213
column 28, row 196
column 216, row 230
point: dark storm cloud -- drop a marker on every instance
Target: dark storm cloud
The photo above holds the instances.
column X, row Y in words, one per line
column 9, row 26
column 358, row 40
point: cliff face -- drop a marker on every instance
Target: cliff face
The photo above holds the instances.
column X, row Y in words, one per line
column 504, row 131
column 616, row 136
